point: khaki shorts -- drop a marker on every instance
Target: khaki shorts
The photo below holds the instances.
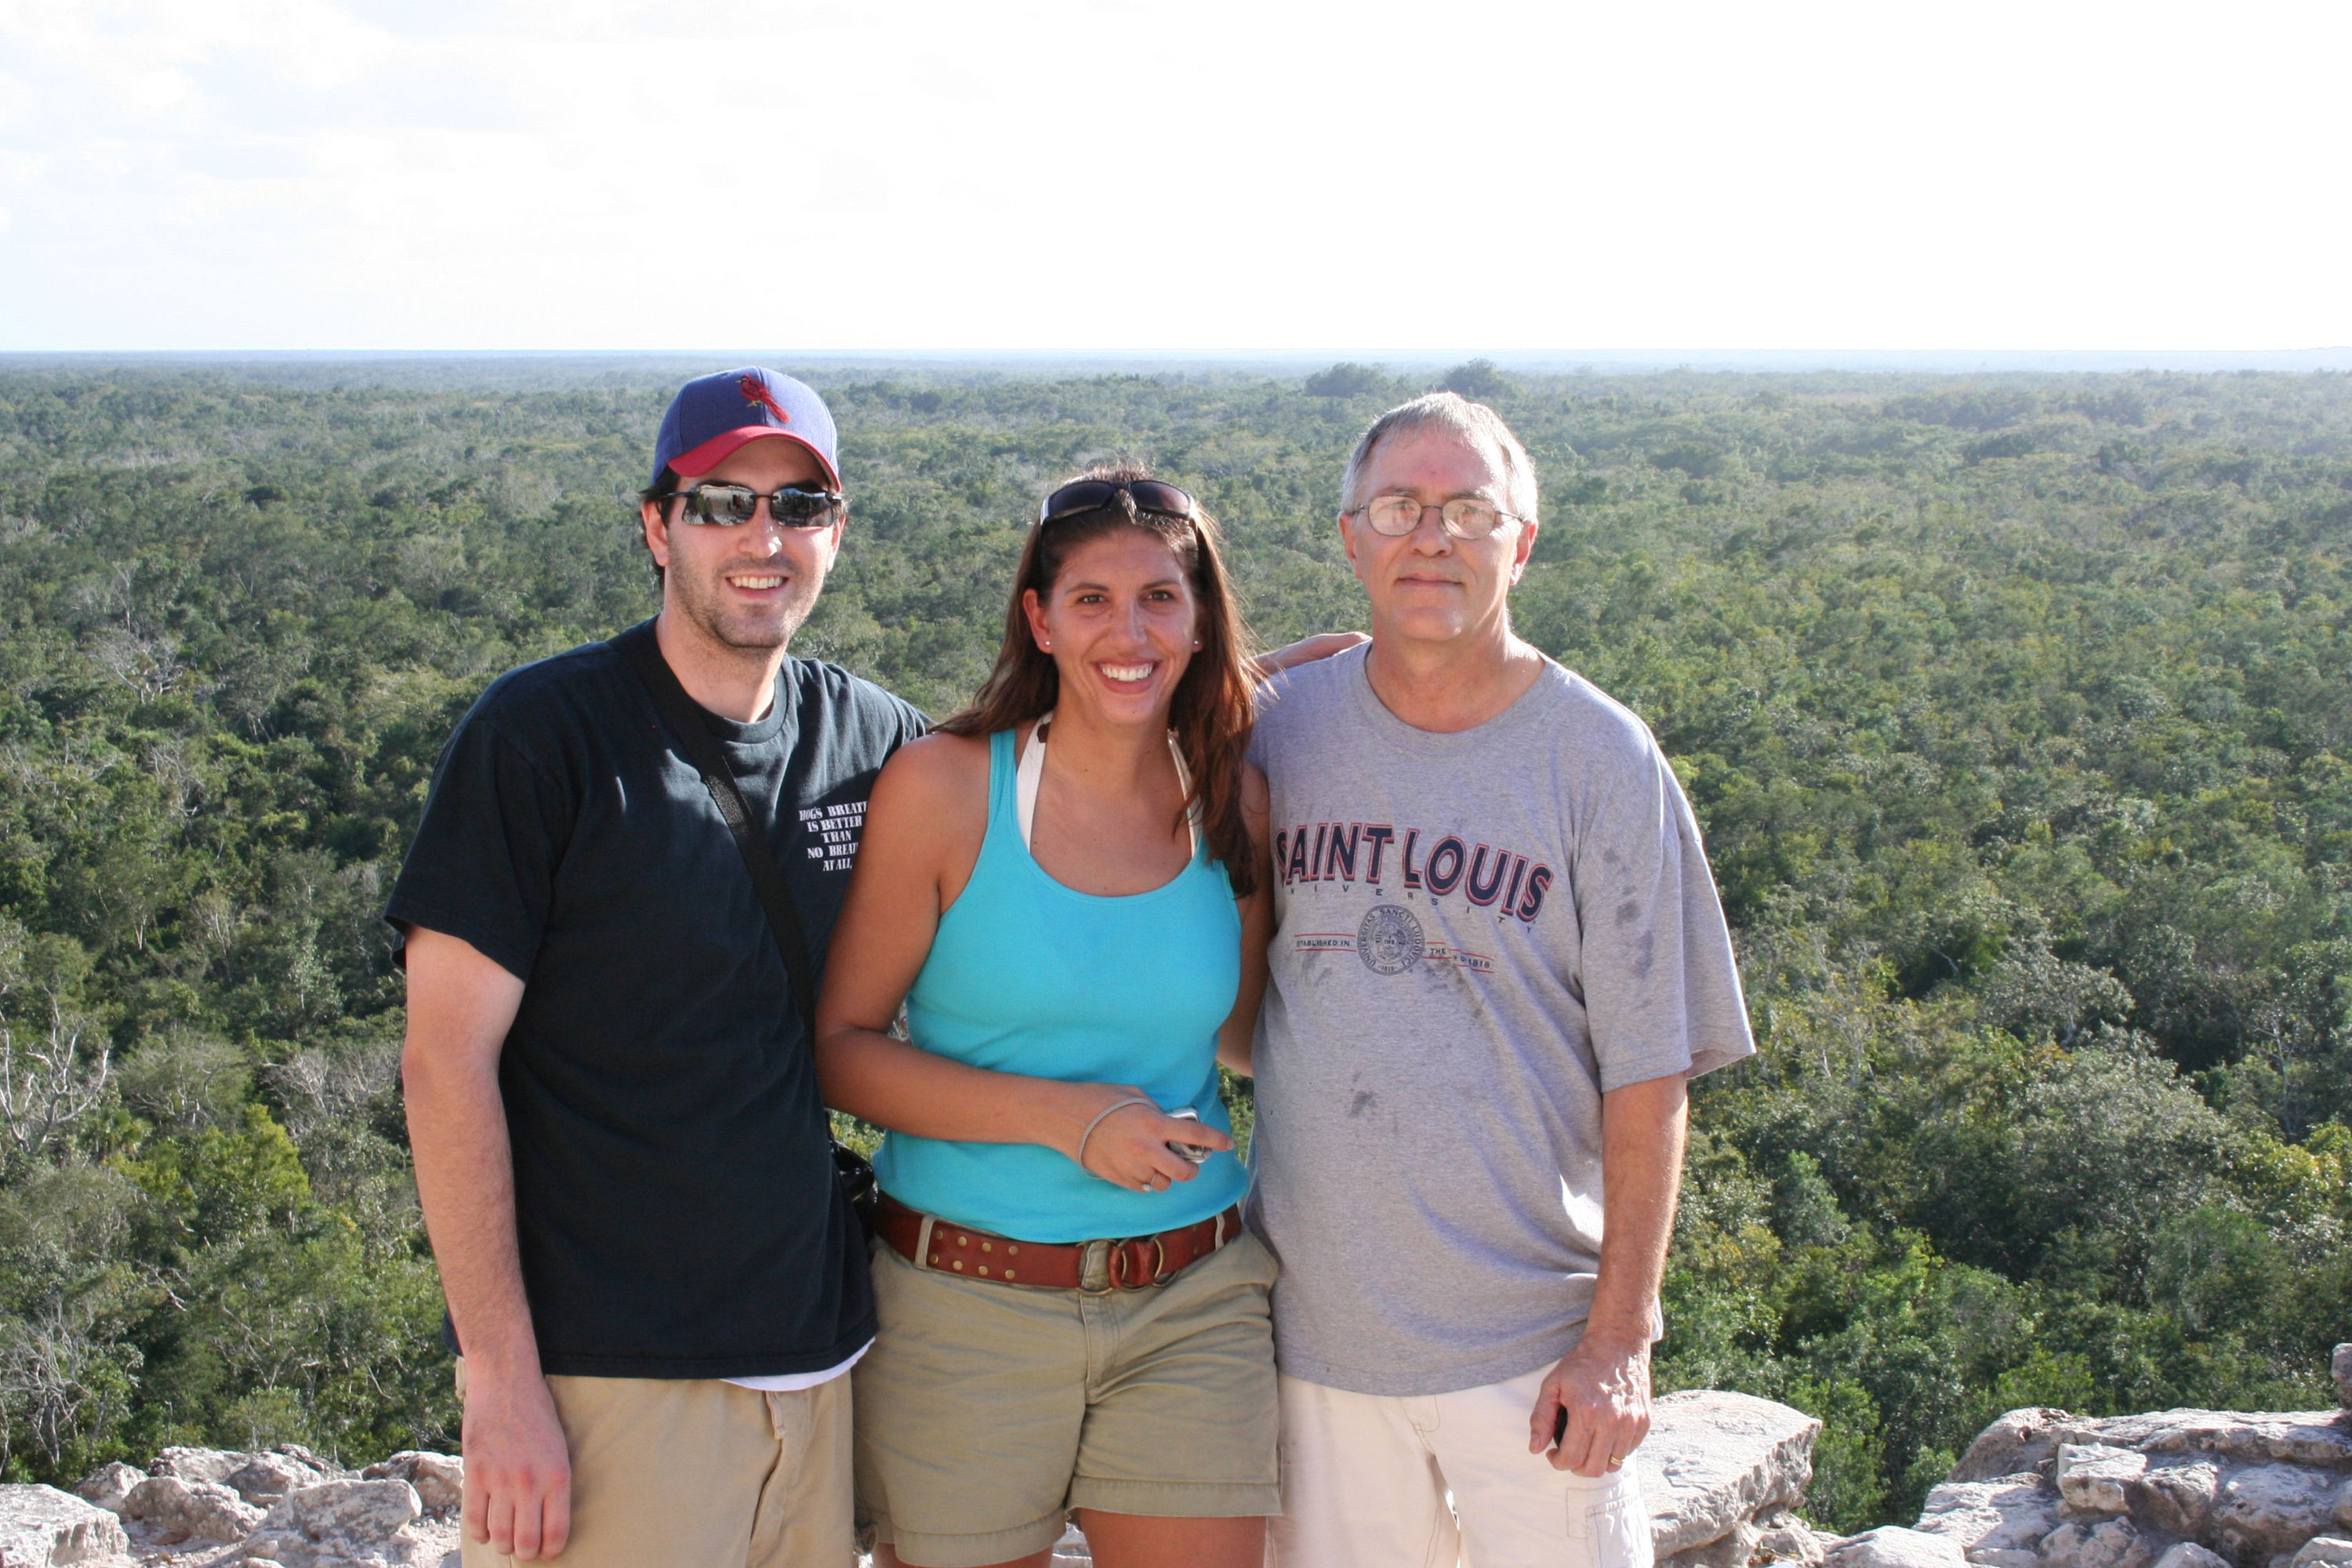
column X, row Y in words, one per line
column 986, row 1412
column 696, row 1473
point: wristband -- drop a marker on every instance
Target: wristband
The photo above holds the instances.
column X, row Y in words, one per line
column 1105, row 1111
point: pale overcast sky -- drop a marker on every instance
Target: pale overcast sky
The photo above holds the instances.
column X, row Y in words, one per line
column 1214, row 175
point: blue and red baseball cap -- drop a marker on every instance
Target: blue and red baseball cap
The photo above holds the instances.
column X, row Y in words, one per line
column 713, row 415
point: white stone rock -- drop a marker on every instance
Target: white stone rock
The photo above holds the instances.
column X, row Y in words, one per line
column 2092, row 1476
column 1782, row 1537
column 263, row 1479
column 109, row 1484
column 1892, row 1546
column 2321, row 1438
column 172, row 1510
column 2017, row 1442
column 41, row 1527
column 2188, row 1554
column 2176, row 1495
column 2265, row 1509
column 2325, row 1551
column 2341, row 1366
column 212, row 1465
column 1714, row 1461
column 2341, row 1512
column 439, row 1478
column 1737, row 1548
column 356, row 1521
column 2004, row 1557
column 1996, row 1525
column 2108, row 1543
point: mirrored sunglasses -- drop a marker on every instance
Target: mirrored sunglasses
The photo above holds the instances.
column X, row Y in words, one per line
column 732, row 506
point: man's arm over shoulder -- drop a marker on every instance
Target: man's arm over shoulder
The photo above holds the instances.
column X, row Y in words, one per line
column 1290, row 700
column 461, row 1003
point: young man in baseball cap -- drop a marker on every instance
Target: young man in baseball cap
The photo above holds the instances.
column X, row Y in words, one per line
column 625, row 1168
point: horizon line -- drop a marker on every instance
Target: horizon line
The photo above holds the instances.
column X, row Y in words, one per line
column 2322, row 358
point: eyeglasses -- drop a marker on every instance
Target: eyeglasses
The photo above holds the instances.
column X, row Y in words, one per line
column 1093, row 494
column 730, row 506
column 1463, row 517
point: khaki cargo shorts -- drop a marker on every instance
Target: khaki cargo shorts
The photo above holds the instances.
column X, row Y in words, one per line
column 986, row 1412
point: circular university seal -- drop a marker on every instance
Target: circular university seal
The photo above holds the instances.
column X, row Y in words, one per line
column 1389, row 941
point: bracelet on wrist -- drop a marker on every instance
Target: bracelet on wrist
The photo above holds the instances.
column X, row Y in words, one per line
column 1098, row 1122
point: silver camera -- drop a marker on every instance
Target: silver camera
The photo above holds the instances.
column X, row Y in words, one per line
column 1191, row 1152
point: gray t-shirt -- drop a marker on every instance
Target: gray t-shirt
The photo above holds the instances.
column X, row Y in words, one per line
column 1478, row 934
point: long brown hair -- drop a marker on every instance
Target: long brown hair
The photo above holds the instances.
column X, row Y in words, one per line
column 1213, row 705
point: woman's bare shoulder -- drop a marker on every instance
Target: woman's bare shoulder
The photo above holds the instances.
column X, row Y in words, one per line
column 936, row 771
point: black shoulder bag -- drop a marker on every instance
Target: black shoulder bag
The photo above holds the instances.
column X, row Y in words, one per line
column 684, row 716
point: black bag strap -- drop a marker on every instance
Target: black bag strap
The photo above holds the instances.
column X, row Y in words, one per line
column 686, row 720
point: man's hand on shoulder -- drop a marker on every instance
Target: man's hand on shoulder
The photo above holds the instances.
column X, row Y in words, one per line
column 1604, row 1387
column 1306, row 650
column 517, row 1468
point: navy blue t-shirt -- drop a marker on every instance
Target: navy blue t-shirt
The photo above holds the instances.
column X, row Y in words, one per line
column 675, row 1204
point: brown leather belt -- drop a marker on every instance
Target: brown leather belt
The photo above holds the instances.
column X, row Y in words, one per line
column 1133, row 1262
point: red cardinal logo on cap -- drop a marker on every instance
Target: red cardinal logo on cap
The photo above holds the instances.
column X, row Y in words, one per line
column 756, row 390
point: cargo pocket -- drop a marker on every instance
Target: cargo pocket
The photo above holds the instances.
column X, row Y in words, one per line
column 1607, row 1521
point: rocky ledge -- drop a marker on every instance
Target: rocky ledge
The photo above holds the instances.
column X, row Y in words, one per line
column 211, row 1507
column 2177, row 1489
column 1723, row 1474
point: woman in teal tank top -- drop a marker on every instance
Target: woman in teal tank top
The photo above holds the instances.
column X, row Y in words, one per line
column 1065, row 887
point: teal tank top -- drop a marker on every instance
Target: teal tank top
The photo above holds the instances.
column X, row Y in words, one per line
column 1028, row 976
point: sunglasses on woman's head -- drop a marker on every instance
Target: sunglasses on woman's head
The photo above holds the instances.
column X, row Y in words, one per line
column 1093, row 494
column 732, row 506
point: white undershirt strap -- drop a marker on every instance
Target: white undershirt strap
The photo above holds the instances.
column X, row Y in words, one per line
column 1031, row 772
column 1026, row 777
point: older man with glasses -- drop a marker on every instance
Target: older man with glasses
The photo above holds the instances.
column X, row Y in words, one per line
column 1499, row 957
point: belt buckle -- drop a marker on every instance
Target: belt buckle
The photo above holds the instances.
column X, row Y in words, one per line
column 1116, row 1255
column 1119, row 1254
column 1159, row 1275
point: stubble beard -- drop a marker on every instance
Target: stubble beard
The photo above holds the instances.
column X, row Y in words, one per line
column 702, row 605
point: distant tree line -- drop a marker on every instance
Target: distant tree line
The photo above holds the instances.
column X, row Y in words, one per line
column 2018, row 712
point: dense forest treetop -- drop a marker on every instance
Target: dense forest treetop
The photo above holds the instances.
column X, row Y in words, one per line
column 2018, row 712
